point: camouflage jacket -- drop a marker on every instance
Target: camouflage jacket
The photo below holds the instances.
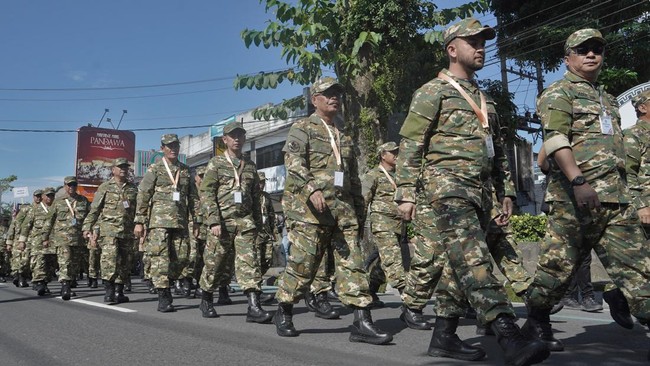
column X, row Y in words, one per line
column 311, row 165
column 108, row 211
column 570, row 108
column 444, row 145
column 218, row 191
column 637, row 148
column 13, row 233
column 33, row 228
column 379, row 194
column 267, row 212
column 156, row 207
column 61, row 226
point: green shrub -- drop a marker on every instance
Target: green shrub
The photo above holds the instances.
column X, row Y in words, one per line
column 527, row 227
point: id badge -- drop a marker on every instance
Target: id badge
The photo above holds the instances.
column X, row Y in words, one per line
column 176, row 196
column 338, row 179
column 606, row 127
column 73, row 222
column 489, row 145
column 238, row 198
column 125, row 204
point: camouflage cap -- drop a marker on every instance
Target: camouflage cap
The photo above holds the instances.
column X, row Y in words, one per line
column 169, row 138
column 389, row 146
column 325, row 83
column 465, row 28
column 38, row 192
column 640, row 98
column 232, row 126
column 581, row 36
column 48, row 190
column 200, row 170
column 69, row 179
column 120, row 161
column 262, row 175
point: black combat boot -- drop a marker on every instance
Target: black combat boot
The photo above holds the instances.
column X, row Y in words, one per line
column 618, row 308
column 324, row 309
column 150, row 287
column 186, row 290
column 283, row 320
column 538, row 326
column 224, row 296
column 364, row 330
column 178, row 287
column 92, row 282
column 255, row 312
column 127, row 284
column 109, row 287
column 207, row 306
column 74, row 284
column 517, row 349
column 484, row 330
column 445, row 342
column 119, row 293
column 310, row 301
column 16, row 280
column 47, row 289
column 373, row 289
column 414, row 319
column 23, row 282
column 165, row 300
column 39, row 287
column 66, row 293
column 266, row 299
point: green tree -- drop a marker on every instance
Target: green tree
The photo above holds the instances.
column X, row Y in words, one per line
column 5, row 185
column 532, row 32
column 380, row 50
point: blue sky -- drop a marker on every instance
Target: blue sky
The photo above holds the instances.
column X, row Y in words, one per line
column 97, row 44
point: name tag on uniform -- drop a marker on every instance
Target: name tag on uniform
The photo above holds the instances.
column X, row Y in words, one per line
column 176, row 196
column 238, row 197
column 489, row 145
column 125, row 204
column 338, row 179
column 73, row 222
column 606, row 127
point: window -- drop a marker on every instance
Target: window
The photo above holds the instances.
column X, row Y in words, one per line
column 269, row 156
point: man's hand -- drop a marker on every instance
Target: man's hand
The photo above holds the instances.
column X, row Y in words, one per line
column 21, row 245
column 318, row 201
column 644, row 215
column 216, row 230
column 586, row 197
column 407, row 209
column 138, row 230
column 195, row 230
column 503, row 218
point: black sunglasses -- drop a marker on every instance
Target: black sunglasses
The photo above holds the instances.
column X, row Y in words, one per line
column 72, row 184
column 583, row 50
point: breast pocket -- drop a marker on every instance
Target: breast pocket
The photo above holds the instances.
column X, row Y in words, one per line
column 585, row 116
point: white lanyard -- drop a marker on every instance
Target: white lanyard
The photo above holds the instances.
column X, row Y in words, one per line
column 480, row 113
column 71, row 206
column 171, row 177
column 44, row 207
column 241, row 168
column 337, row 154
column 390, row 179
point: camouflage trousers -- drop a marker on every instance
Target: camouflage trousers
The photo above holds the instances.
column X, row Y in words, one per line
column 70, row 261
column 507, row 256
column 83, row 256
column 168, row 251
column 195, row 263
column 94, row 255
column 614, row 232
column 237, row 241
column 451, row 253
column 309, row 243
column 386, row 235
column 43, row 267
column 265, row 249
column 5, row 262
column 115, row 264
column 20, row 262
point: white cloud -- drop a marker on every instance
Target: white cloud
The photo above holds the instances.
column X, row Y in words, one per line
column 78, row 75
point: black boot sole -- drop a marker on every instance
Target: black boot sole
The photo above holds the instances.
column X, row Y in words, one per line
column 260, row 320
column 534, row 353
column 372, row 340
column 330, row 316
column 436, row 352
column 414, row 325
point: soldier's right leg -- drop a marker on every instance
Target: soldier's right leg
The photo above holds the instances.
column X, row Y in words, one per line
column 157, row 249
column 217, row 258
column 39, row 273
column 64, row 256
column 507, row 256
column 316, row 300
column 108, row 259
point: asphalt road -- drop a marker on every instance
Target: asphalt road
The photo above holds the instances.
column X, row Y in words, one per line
column 49, row 331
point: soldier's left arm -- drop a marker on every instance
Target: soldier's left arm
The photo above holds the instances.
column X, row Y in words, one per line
column 501, row 176
column 355, row 186
column 95, row 209
column 256, row 194
column 634, row 154
column 193, row 202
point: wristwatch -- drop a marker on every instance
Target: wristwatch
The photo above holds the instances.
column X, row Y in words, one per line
column 578, row 181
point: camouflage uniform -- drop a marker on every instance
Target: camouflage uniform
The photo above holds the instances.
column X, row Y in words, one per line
column 239, row 223
column 637, row 148
column 311, row 166
column 385, row 222
column 63, row 229
column 110, row 217
column 43, row 259
column 20, row 259
column 442, row 128
column 168, row 243
column 570, row 110
column 266, row 236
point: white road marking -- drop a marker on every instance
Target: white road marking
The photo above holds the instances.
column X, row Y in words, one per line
column 100, row 305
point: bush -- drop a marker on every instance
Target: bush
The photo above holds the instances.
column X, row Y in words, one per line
column 527, row 227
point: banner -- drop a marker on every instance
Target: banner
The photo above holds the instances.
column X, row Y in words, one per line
column 21, row 192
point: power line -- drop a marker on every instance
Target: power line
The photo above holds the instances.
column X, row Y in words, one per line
column 114, row 98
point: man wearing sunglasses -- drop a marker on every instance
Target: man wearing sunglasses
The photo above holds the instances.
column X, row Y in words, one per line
column 590, row 203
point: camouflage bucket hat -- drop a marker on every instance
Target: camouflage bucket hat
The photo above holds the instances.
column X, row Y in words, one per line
column 48, row 190
column 466, row 28
column 325, row 83
column 581, row 36
column 232, row 126
column 120, row 162
column 69, row 179
column 38, row 192
column 389, row 146
column 640, row 98
column 169, row 138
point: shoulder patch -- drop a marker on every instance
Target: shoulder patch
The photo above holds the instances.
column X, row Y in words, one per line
column 293, row 146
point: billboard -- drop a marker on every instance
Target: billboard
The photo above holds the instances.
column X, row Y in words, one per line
column 96, row 150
